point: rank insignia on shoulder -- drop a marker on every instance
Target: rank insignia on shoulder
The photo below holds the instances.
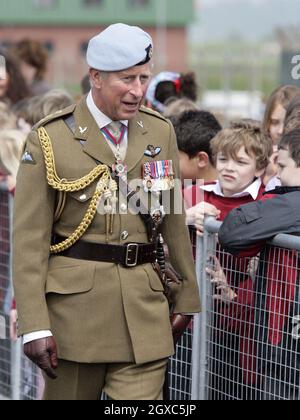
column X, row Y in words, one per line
column 28, row 159
column 158, row 176
column 152, row 151
column 82, row 130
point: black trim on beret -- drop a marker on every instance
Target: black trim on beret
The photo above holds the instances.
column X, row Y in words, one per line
column 149, row 55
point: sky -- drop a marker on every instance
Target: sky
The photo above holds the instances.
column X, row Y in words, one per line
column 250, row 19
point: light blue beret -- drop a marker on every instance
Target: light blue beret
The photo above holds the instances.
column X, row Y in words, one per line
column 119, row 47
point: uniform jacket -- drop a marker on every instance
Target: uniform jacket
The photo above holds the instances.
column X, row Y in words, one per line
column 97, row 312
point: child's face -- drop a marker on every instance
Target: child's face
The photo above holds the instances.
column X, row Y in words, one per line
column 236, row 175
column 277, row 123
column 288, row 173
column 193, row 168
column 188, row 167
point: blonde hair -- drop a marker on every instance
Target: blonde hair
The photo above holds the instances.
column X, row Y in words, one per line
column 179, row 106
column 7, row 119
column 11, row 146
column 47, row 104
column 230, row 140
column 245, row 123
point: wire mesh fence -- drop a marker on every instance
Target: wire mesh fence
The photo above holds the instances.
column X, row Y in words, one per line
column 252, row 321
column 19, row 379
column 180, row 365
column 5, row 294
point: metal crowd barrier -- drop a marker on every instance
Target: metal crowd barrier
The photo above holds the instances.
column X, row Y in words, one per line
column 5, row 293
column 246, row 345
column 241, row 347
column 19, row 379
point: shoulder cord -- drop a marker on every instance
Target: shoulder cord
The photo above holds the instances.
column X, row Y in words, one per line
column 101, row 171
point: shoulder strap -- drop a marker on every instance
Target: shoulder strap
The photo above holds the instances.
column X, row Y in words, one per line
column 71, row 123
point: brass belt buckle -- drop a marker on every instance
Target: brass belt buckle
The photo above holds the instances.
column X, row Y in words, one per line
column 131, row 261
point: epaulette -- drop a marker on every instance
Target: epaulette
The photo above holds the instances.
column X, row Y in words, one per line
column 152, row 113
column 56, row 115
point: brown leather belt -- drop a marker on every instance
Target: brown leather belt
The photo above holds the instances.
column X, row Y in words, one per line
column 127, row 255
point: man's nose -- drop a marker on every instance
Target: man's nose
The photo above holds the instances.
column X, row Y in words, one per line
column 137, row 89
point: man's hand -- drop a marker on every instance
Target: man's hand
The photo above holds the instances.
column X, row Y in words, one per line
column 272, row 168
column 195, row 215
column 179, row 323
column 43, row 353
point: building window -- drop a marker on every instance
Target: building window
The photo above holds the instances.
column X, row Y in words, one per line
column 138, row 3
column 92, row 3
column 45, row 4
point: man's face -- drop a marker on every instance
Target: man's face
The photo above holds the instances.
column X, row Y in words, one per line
column 235, row 175
column 288, row 172
column 119, row 95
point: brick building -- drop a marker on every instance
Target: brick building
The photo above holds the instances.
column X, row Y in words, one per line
column 65, row 26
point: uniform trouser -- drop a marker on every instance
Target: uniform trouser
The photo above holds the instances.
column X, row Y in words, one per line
column 120, row 381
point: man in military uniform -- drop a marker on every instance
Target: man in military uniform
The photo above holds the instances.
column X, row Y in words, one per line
column 92, row 309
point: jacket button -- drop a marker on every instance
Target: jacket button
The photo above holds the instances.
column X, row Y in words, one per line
column 124, row 235
column 123, row 207
column 82, row 197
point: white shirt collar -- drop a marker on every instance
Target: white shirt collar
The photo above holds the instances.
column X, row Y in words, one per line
column 252, row 190
column 101, row 119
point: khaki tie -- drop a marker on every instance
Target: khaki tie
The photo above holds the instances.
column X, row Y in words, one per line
column 115, row 133
column 115, row 129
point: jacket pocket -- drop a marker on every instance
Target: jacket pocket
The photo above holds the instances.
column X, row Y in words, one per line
column 154, row 280
column 67, row 276
column 84, row 195
column 250, row 212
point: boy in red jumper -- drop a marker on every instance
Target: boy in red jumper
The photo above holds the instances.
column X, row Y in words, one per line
column 241, row 156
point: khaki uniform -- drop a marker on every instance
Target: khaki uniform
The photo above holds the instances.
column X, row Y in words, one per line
column 98, row 312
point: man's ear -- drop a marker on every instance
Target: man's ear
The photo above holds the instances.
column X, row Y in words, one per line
column 202, row 160
column 96, row 78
